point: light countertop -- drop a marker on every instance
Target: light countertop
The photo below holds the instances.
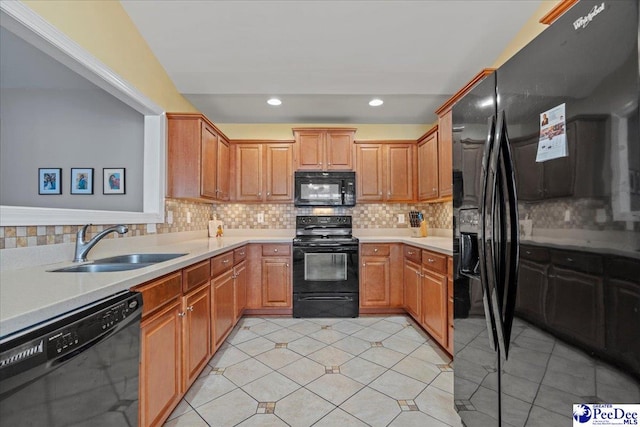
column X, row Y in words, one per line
column 30, row 293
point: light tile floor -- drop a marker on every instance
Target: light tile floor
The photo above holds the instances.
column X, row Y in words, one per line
column 369, row 371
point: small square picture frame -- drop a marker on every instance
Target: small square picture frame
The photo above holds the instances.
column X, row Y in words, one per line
column 50, row 181
column 113, row 181
column 81, row 180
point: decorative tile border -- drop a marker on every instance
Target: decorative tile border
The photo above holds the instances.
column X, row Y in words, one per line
column 332, row 369
column 408, row 405
column 266, row 408
column 376, row 344
column 281, row 345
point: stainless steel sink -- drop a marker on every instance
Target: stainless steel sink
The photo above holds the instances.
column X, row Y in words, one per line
column 137, row 258
column 118, row 263
column 99, row 268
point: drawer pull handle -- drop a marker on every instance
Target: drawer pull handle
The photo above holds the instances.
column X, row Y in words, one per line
column 182, row 314
column 528, row 252
column 569, row 259
column 410, row 252
column 241, row 253
column 431, row 260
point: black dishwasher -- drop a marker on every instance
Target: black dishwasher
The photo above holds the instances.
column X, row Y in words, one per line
column 78, row 369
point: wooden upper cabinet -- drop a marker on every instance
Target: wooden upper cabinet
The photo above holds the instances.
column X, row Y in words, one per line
column 385, row 172
column 222, row 170
column 428, row 167
column 400, row 172
column 324, row 149
column 263, row 172
column 279, row 173
column 198, row 159
column 249, row 174
column 369, row 176
column 445, row 157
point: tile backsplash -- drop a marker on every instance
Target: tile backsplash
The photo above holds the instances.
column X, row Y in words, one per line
column 438, row 215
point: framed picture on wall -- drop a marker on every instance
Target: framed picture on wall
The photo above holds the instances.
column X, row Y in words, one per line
column 113, row 181
column 81, row 180
column 49, row 181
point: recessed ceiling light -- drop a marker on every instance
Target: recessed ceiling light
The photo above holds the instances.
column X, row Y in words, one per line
column 274, row 101
column 376, row 102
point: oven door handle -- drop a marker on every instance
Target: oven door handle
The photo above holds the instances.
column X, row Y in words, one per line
column 325, row 248
column 327, row 298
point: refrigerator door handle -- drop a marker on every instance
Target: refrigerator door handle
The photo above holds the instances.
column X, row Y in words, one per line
column 482, row 238
column 503, row 299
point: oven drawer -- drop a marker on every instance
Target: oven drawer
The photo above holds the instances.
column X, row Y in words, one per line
column 325, row 305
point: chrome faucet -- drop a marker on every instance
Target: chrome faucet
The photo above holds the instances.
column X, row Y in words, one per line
column 83, row 248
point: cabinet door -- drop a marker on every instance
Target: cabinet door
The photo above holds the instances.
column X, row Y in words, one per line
column 434, row 305
column 208, row 162
column 196, row 333
column 223, row 301
column 623, row 318
column 279, row 172
column 369, row 172
column 276, row 282
column 309, row 149
column 240, row 285
column 399, row 182
column 445, row 158
column 248, row 172
column 160, row 366
column 222, row 170
column 412, row 288
column 575, row 305
column 532, row 288
column 428, row 168
column 339, row 150
column 375, row 282
column 529, row 171
column 471, row 169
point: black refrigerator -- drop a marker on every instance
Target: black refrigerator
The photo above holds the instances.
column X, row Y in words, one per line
column 546, row 159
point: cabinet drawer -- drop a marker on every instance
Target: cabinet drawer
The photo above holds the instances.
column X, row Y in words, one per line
column 239, row 254
column 221, row 263
column 276, row 249
column 434, row 261
column 195, row 275
column 373, row 249
column 534, row 253
column 160, row 291
column 577, row 261
column 413, row 253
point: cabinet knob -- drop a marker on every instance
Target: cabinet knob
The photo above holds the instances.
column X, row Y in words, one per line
column 389, row 193
column 364, row 264
column 410, row 252
column 260, row 194
column 275, row 250
column 569, row 259
column 190, row 308
column 431, row 260
column 268, row 193
column 225, row 261
column 287, row 264
column 375, row 249
column 380, row 193
column 328, row 163
column 182, row 314
column 241, row 253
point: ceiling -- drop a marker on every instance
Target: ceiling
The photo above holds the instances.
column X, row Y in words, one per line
column 325, row 59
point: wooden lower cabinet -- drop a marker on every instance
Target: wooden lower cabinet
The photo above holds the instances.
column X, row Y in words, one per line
column 223, row 303
column 160, row 364
column 381, row 287
column 240, row 288
column 434, row 305
column 413, row 288
column 196, row 333
column 450, row 305
column 276, row 282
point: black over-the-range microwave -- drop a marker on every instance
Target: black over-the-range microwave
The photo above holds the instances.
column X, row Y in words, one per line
column 325, row 188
